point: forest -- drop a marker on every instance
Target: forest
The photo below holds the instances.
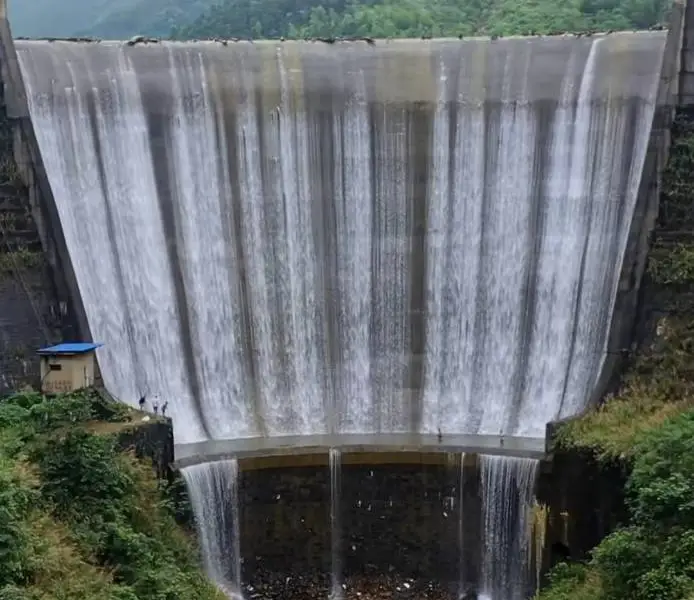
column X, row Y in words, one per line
column 200, row 19
column 418, row 18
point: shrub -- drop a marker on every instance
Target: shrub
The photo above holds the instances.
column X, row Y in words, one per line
column 80, row 475
column 80, row 520
column 652, row 558
column 661, row 486
column 16, row 499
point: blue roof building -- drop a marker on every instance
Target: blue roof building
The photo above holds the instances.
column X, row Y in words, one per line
column 68, row 367
column 69, row 348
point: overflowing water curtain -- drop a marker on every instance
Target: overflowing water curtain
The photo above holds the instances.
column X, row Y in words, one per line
column 508, row 491
column 213, row 491
column 303, row 238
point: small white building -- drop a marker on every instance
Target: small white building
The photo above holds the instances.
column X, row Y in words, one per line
column 68, row 367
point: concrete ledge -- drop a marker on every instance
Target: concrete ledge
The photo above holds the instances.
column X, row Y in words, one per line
column 186, row 455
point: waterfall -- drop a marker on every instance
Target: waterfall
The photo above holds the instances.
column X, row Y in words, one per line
column 508, row 489
column 336, row 590
column 284, row 241
column 213, row 491
column 462, row 583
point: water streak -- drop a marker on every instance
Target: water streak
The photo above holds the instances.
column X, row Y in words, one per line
column 336, row 589
column 508, row 489
column 213, row 490
column 462, row 583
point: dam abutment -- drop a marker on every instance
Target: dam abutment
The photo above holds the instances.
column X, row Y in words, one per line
column 40, row 303
column 628, row 297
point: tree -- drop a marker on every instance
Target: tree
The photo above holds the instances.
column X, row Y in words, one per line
column 415, row 18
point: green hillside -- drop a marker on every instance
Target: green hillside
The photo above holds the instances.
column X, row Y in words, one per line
column 414, row 18
column 79, row 518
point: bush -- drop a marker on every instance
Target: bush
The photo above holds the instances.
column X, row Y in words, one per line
column 16, row 499
column 661, row 486
column 572, row 582
column 653, row 558
column 12, row 415
column 80, row 520
column 80, row 474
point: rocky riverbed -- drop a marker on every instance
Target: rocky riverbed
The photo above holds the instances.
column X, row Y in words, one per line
column 277, row 586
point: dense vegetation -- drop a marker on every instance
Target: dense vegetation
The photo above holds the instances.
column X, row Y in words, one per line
column 80, row 520
column 652, row 558
column 414, row 18
column 190, row 19
column 650, row 423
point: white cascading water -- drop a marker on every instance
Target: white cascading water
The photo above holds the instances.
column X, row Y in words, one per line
column 508, row 489
column 298, row 238
column 462, row 583
column 335, row 459
column 213, row 490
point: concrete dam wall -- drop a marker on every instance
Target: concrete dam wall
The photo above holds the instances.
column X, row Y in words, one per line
column 301, row 238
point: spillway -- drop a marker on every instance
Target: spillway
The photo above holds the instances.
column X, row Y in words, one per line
column 302, row 238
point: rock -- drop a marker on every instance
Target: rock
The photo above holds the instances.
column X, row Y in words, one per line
column 267, row 585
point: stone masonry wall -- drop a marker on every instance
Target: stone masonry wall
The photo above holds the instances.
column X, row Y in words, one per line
column 397, row 517
column 39, row 296
column 30, row 315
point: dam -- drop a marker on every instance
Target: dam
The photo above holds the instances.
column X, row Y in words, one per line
column 352, row 248
column 418, row 237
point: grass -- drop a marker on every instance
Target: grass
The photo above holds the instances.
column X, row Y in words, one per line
column 60, row 570
column 658, row 385
column 612, row 431
column 572, row 582
column 135, row 418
